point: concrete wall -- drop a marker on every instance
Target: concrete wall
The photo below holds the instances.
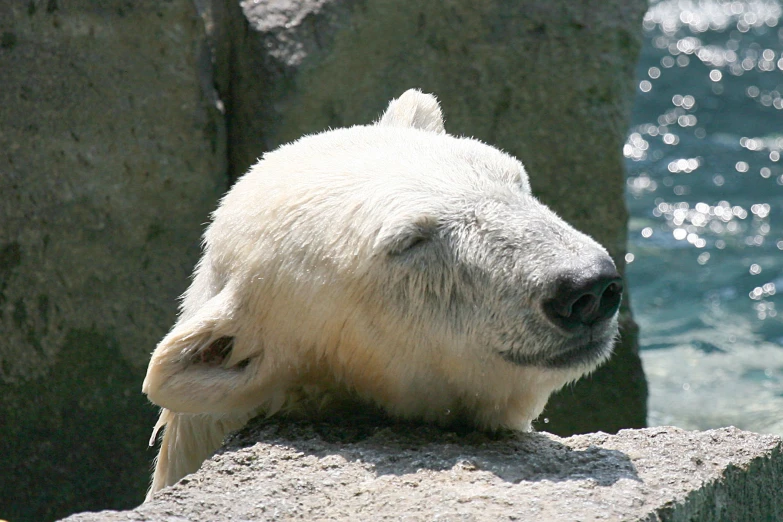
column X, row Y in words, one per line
column 112, row 154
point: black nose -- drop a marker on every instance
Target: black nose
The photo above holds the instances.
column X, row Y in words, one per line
column 585, row 297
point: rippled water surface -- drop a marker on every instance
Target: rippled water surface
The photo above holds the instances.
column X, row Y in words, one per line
column 705, row 191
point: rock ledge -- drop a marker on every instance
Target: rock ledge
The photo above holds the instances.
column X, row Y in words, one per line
column 358, row 470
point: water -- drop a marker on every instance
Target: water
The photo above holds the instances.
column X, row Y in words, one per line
column 705, row 192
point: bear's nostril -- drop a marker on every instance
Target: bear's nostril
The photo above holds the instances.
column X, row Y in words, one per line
column 582, row 300
column 610, row 299
column 585, row 306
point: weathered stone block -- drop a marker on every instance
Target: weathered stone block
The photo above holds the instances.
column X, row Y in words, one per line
column 112, row 155
column 357, row 471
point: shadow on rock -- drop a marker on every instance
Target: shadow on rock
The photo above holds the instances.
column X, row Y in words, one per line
column 402, row 448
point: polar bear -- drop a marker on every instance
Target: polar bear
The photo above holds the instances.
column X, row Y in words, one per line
column 392, row 264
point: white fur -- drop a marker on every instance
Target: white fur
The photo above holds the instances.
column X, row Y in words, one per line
column 392, row 263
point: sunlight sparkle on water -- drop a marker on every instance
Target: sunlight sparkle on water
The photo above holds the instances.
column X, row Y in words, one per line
column 704, row 193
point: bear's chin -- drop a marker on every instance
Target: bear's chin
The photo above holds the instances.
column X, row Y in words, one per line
column 585, row 354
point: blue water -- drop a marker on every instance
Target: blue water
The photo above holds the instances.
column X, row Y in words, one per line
column 705, row 192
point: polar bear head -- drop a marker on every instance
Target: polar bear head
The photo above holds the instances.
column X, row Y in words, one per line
column 396, row 264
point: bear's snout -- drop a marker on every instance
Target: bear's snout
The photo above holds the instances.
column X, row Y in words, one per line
column 585, row 296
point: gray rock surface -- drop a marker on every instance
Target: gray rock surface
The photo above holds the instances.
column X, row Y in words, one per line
column 112, row 155
column 358, row 471
column 550, row 82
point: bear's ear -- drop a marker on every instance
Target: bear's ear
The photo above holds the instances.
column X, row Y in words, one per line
column 402, row 236
column 194, row 368
column 414, row 109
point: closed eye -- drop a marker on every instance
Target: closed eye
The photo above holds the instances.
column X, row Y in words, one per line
column 413, row 243
column 400, row 239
